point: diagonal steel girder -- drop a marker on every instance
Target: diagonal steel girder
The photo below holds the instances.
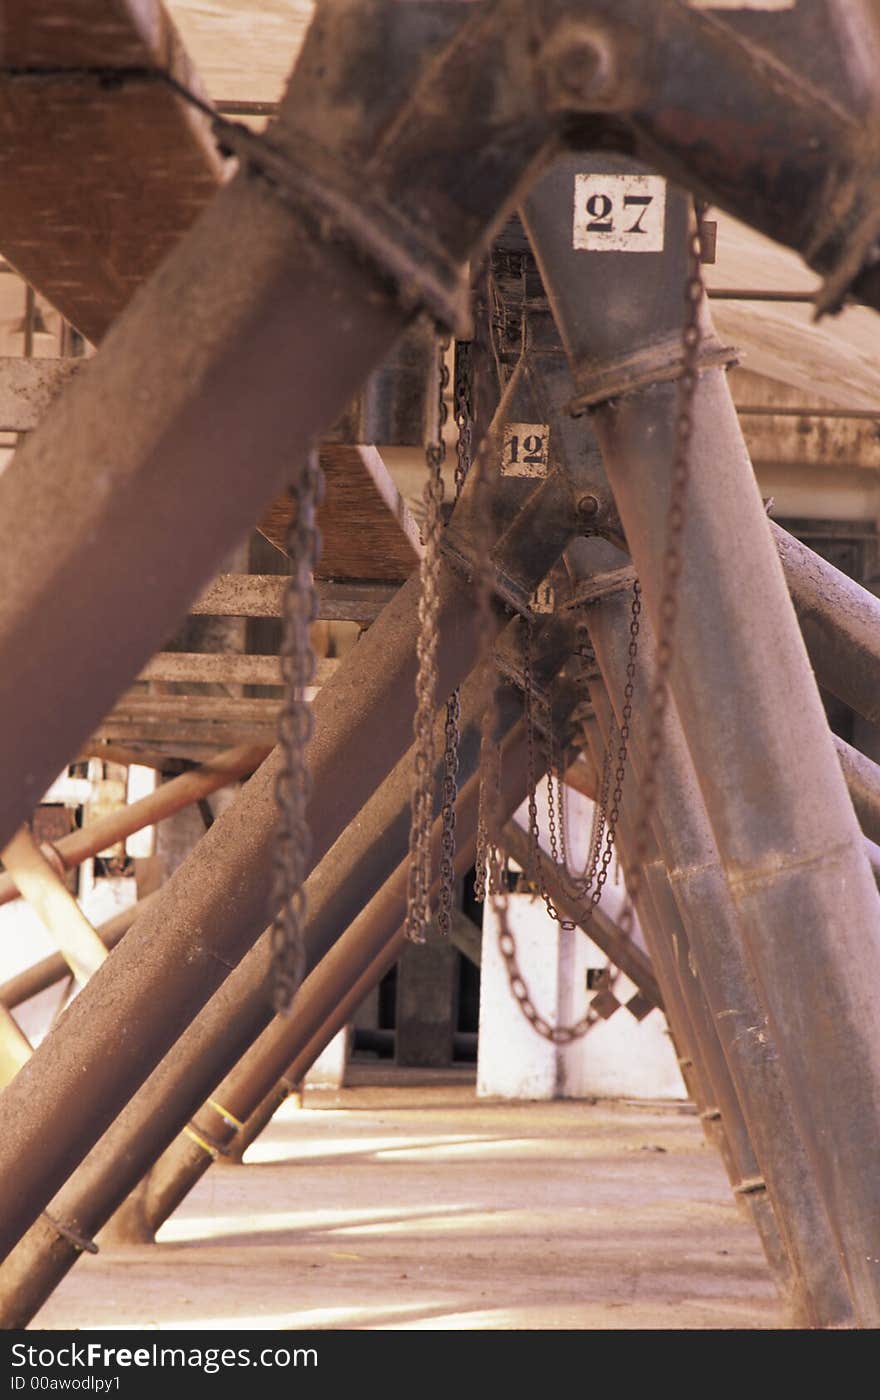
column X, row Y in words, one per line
column 350, row 921
column 215, row 906
column 691, row 1025
column 788, row 837
column 819, row 1293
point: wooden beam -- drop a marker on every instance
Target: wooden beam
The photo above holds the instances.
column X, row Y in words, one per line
column 366, row 527
column 98, row 180
column 261, row 595
column 224, row 668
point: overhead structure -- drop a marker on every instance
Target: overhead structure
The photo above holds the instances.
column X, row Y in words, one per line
column 604, row 597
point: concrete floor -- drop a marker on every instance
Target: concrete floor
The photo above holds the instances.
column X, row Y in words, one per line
column 411, row 1204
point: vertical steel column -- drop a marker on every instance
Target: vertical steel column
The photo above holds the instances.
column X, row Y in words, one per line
column 787, row 834
column 715, row 938
column 721, row 1116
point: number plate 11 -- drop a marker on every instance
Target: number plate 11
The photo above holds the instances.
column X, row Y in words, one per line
column 619, row 213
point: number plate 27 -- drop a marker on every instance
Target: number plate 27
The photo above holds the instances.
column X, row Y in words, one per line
column 619, row 213
column 526, row 449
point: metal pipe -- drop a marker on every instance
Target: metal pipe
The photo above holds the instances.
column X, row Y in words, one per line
column 15, row 1048
column 787, row 834
column 352, row 967
column 168, row 798
column 208, row 1050
column 840, row 622
column 862, row 777
column 820, row 1292
column 54, row 905
column 48, row 971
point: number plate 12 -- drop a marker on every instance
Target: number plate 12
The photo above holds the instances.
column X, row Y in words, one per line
column 526, row 449
column 619, row 213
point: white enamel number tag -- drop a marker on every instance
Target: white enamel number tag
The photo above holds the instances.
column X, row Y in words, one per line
column 526, row 448
column 543, row 600
column 619, row 213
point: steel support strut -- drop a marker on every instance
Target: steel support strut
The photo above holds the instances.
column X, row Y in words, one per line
column 368, row 948
column 237, row 1014
column 720, row 1111
column 212, row 910
column 820, row 1293
column 787, row 834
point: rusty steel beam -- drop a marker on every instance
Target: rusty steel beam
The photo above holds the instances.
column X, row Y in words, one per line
column 786, row 832
column 219, row 771
column 820, row 1296
column 220, row 1035
column 216, row 904
column 213, row 909
column 840, row 622
column 721, row 1116
column 370, row 945
column 862, row 777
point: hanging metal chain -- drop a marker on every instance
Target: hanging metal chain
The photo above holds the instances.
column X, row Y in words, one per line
column 622, row 749
column 658, row 700
column 463, row 411
column 293, row 783
column 418, row 910
column 450, row 794
column 671, row 566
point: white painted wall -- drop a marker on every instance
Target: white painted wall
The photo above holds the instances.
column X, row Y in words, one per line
column 617, row 1058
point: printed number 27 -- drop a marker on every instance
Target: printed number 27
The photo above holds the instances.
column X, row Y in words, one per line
column 601, row 207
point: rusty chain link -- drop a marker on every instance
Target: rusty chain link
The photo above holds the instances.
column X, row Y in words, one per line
column 463, row 410
column 450, row 794
column 670, row 570
column 295, row 725
column 658, row 700
column 418, row 911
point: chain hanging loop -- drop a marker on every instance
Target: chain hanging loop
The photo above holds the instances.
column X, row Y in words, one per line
column 296, row 723
column 671, row 565
column 463, row 410
column 418, row 911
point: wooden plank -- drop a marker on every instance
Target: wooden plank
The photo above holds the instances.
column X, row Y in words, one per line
column 243, row 48
column 261, row 595
column 366, row 527
column 98, row 180
column 224, row 668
